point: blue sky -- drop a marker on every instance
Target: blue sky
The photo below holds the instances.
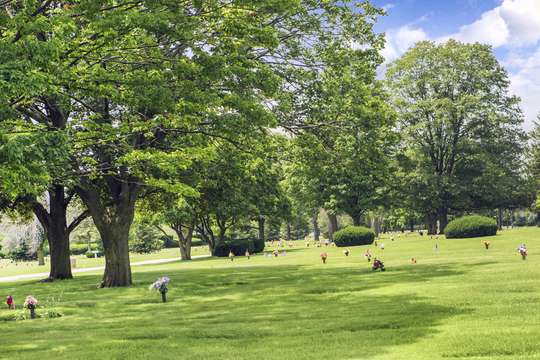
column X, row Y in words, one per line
column 512, row 27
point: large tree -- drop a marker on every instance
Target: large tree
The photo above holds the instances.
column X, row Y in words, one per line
column 454, row 108
column 534, row 166
column 33, row 181
column 128, row 85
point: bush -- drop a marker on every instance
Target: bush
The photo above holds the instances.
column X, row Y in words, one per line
column 258, row 246
column 22, row 252
column 147, row 240
column 81, row 249
column 169, row 242
column 470, row 226
column 91, row 255
column 238, row 247
column 354, row 235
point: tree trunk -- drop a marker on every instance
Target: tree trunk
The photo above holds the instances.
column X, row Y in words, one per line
column 116, row 245
column 332, row 226
column 288, row 232
column 54, row 224
column 357, row 219
column 113, row 220
column 316, row 229
column 499, row 218
column 184, row 241
column 58, row 236
column 40, row 255
column 376, row 226
column 431, row 224
column 205, row 230
column 443, row 219
column 261, row 221
column 411, row 225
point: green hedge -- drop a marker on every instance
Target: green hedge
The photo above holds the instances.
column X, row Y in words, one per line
column 354, row 235
column 238, row 247
column 471, row 226
column 81, row 249
column 170, row 242
column 258, row 245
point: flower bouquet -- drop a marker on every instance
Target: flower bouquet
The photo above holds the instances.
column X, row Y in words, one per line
column 324, row 256
column 161, row 286
column 30, row 303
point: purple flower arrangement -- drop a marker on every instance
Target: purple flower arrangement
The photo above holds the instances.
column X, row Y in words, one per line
column 161, row 286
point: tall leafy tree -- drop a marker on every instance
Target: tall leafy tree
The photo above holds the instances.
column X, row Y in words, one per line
column 535, row 166
column 454, row 109
column 135, row 90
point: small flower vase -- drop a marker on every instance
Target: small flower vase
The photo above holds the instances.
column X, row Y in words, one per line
column 164, row 296
column 324, row 260
column 32, row 309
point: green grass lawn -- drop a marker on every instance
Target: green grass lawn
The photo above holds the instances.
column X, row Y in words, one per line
column 9, row 268
column 460, row 302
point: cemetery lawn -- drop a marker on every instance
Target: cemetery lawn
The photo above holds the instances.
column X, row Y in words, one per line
column 460, row 302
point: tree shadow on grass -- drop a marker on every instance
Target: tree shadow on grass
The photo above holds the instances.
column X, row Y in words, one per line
column 277, row 312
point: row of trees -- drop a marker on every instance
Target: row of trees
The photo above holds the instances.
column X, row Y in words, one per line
column 219, row 117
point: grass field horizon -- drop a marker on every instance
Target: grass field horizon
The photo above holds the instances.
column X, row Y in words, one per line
column 458, row 301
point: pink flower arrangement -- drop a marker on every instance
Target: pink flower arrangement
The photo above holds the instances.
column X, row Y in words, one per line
column 30, row 302
column 323, row 257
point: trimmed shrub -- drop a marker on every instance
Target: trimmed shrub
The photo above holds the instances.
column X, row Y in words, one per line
column 91, row 255
column 169, row 242
column 354, row 235
column 81, row 249
column 470, row 226
column 258, row 245
column 238, row 247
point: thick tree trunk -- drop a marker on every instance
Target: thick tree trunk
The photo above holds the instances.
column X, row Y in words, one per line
column 59, row 251
column 332, row 226
column 316, row 229
column 431, row 224
column 58, row 235
column 357, row 219
column 113, row 220
column 54, row 224
column 442, row 216
column 116, row 246
column 261, row 222
column 499, row 218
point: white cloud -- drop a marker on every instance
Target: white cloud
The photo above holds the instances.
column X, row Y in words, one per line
column 522, row 17
column 398, row 41
column 514, row 23
column 489, row 29
column 526, row 84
